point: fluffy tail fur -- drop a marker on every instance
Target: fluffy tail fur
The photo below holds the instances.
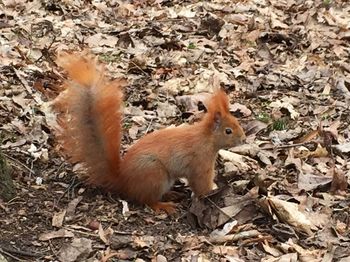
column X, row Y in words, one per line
column 90, row 119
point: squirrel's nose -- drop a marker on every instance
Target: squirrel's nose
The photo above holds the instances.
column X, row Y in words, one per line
column 240, row 140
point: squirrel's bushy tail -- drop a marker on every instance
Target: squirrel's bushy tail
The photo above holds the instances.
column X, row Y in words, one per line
column 90, row 118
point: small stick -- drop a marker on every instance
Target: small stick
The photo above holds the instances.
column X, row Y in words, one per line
column 8, row 251
column 234, row 237
column 215, row 205
column 10, row 255
column 139, row 68
column 20, row 163
column 288, row 146
column 149, row 126
column 53, row 249
column 258, row 239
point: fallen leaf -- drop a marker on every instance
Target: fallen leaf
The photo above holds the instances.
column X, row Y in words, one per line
column 62, row 233
column 72, row 205
column 235, row 162
column 191, row 102
column 58, row 217
column 226, row 250
column 343, row 148
column 239, row 108
column 144, row 241
column 78, row 250
column 289, row 213
column 225, row 230
column 105, row 234
column 340, row 182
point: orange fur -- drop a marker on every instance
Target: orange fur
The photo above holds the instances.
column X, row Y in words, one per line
column 90, row 118
column 90, row 133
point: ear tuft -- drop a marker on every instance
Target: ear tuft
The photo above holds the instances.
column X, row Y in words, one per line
column 218, row 108
column 218, row 102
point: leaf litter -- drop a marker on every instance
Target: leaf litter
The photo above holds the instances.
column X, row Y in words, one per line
column 283, row 196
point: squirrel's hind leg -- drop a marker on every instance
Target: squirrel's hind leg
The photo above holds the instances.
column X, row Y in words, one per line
column 146, row 181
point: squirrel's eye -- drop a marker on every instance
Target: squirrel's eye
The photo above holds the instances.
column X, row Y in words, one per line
column 228, row 131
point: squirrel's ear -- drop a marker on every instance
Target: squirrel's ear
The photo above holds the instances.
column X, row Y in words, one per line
column 217, row 120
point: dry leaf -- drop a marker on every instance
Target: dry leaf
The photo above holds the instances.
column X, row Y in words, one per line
column 58, row 217
column 339, row 182
column 105, row 234
column 72, row 205
column 289, row 213
column 77, row 250
column 62, row 233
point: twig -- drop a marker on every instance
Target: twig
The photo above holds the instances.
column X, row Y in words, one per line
column 53, row 249
column 149, row 126
column 24, row 82
column 73, row 185
column 45, row 50
column 288, row 146
column 105, row 258
column 215, row 205
column 20, row 163
column 82, row 232
column 12, row 200
column 257, row 239
column 8, row 251
column 10, row 255
column 70, row 188
column 234, row 237
column 139, row 68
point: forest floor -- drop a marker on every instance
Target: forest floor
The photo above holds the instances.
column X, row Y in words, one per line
column 283, row 196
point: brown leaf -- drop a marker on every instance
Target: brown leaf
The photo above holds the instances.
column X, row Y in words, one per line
column 340, row 182
column 225, row 250
column 240, row 109
column 72, row 205
column 289, row 213
column 62, row 233
column 58, row 217
column 78, row 248
column 105, row 234
column 310, row 182
column 307, row 137
column 191, row 102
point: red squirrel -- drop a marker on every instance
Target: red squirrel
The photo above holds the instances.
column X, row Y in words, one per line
column 90, row 133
